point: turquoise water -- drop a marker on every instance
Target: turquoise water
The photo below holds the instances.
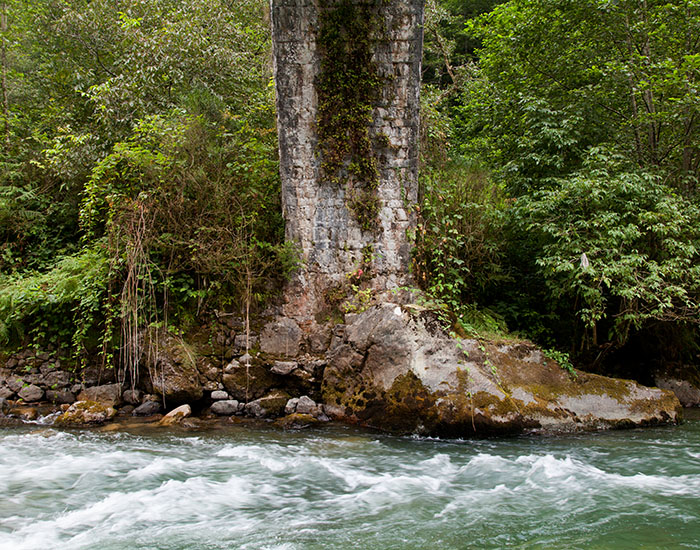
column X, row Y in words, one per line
column 336, row 487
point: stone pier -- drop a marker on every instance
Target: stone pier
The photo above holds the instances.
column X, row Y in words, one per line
column 317, row 207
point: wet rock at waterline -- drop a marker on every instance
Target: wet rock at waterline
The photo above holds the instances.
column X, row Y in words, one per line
column 85, row 413
column 226, row 407
column 148, row 408
column 272, row 405
column 176, row 416
column 394, row 368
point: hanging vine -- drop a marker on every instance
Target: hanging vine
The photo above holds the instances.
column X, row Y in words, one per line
column 348, row 86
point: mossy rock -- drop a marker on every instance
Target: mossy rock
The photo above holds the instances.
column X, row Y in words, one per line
column 394, row 371
column 86, row 413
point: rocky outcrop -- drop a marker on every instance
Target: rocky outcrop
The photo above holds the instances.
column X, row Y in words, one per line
column 394, row 368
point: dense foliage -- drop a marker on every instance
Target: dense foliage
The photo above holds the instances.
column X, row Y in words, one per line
column 584, row 119
column 139, row 174
column 560, row 164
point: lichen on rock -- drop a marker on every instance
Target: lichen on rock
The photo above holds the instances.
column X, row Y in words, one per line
column 393, row 370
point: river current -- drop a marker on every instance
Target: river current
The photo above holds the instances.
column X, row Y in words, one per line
column 340, row 488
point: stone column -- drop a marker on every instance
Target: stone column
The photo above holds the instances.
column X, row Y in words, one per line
column 332, row 241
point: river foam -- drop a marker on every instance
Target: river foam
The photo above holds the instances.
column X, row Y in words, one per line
column 345, row 489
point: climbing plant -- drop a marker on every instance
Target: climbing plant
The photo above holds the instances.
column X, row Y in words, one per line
column 348, row 85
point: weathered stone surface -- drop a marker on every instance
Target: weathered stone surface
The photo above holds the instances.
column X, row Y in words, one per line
column 148, row 408
column 109, row 395
column 271, row 405
column 686, row 392
column 225, row 408
column 317, row 214
column 176, row 415
column 245, row 384
column 132, row 397
column 56, row 379
column 4, row 406
column 283, row 368
column 306, row 405
column 219, row 395
column 31, row 393
column 396, row 370
column 291, row 406
column 85, row 413
column 6, row 393
column 60, row 397
column 173, row 368
column 281, row 338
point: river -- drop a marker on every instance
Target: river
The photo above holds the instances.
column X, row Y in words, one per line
column 341, row 488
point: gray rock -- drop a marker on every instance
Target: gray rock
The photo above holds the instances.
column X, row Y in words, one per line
column 109, row 395
column 15, row 383
column 225, row 408
column 219, row 395
column 283, row 368
column 148, row 408
column 281, row 338
column 76, row 388
column 6, row 393
column 245, row 359
column 31, row 394
column 57, row 379
column 291, row 406
column 395, row 369
column 4, row 406
column 686, row 392
column 60, row 397
column 306, row 405
column 132, row 397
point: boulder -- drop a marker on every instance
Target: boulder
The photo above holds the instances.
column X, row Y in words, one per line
column 686, row 392
column 283, row 368
column 6, row 393
column 176, row 415
column 109, row 395
column 172, row 365
column 396, row 369
column 85, row 413
column 219, row 395
column 4, row 406
column 56, row 379
column 306, row 405
column 272, row 405
column 132, row 397
column 31, row 394
column 148, row 408
column 225, row 408
column 291, row 406
column 60, row 397
column 244, row 384
column 281, row 338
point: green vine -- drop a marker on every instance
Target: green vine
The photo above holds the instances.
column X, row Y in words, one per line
column 348, row 85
